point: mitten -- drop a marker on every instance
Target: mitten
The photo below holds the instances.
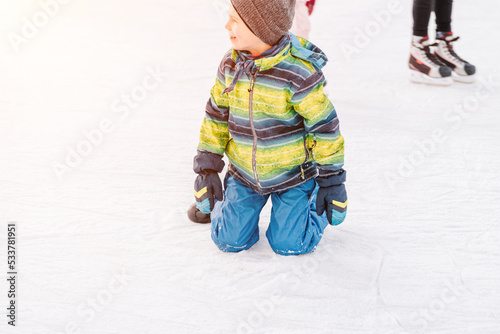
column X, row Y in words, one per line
column 332, row 197
column 207, row 188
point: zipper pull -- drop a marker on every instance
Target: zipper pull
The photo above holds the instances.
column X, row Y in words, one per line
column 313, row 146
column 252, row 82
column 253, row 74
column 302, row 172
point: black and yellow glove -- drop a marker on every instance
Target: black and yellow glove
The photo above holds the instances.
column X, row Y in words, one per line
column 207, row 186
column 207, row 189
column 332, row 197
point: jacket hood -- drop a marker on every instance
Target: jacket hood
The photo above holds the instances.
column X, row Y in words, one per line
column 305, row 50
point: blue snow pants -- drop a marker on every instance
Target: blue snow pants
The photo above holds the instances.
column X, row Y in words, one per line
column 295, row 227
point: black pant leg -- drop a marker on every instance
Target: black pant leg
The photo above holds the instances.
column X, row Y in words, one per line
column 443, row 14
column 421, row 15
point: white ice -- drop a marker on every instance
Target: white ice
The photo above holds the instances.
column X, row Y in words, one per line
column 106, row 247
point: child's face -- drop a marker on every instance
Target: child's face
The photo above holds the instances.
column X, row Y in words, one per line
column 241, row 36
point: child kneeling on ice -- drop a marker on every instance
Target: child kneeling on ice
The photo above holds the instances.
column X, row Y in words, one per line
column 268, row 113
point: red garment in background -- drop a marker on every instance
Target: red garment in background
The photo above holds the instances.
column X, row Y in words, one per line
column 310, row 5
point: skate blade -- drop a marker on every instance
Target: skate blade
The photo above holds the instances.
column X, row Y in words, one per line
column 418, row 77
column 463, row 78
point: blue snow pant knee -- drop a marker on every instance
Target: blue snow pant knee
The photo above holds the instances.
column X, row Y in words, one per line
column 295, row 227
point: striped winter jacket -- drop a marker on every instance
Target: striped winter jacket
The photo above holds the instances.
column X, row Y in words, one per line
column 277, row 127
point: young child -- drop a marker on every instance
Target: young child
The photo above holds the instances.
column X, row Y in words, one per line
column 436, row 63
column 268, row 114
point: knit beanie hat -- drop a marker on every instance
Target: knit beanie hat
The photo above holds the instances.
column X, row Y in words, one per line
column 269, row 20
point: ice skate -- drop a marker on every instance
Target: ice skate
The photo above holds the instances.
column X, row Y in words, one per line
column 425, row 67
column 463, row 71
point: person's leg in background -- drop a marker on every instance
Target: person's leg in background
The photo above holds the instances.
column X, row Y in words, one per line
column 421, row 16
column 443, row 10
column 424, row 66
column 463, row 70
column 301, row 23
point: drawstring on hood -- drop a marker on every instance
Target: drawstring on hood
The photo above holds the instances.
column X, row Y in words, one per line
column 245, row 63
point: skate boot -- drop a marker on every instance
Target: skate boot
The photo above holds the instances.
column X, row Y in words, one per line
column 425, row 67
column 196, row 216
column 462, row 70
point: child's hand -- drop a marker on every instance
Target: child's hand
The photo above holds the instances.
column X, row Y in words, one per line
column 207, row 188
column 332, row 197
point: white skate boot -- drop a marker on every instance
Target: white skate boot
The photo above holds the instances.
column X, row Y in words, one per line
column 463, row 71
column 425, row 67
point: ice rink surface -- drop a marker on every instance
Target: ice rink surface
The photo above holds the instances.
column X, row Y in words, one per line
column 100, row 107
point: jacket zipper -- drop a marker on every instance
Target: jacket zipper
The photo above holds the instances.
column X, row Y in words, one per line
column 254, row 150
column 302, row 174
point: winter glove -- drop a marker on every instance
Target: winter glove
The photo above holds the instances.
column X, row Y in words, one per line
column 332, row 197
column 310, row 5
column 207, row 188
